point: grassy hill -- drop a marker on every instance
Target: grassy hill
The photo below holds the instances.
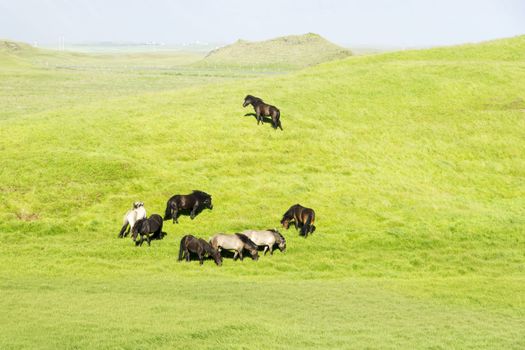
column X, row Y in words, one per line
column 413, row 161
column 288, row 52
column 34, row 80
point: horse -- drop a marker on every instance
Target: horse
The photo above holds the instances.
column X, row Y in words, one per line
column 190, row 244
column 267, row 238
column 263, row 109
column 194, row 202
column 132, row 216
column 302, row 217
column 237, row 243
column 145, row 226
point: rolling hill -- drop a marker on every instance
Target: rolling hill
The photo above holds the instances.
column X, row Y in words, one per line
column 294, row 51
column 412, row 160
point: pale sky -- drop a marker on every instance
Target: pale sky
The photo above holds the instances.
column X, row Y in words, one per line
column 379, row 23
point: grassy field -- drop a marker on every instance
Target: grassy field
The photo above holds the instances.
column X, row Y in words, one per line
column 414, row 162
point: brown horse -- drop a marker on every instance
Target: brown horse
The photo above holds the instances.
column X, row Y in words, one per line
column 263, row 110
column 193, row 203
column 190, row 244
column 302, row 217
column 150, row 227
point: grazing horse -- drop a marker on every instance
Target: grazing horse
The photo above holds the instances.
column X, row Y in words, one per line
column 194, row 202
column 132, row 216
column 267, row 238
column 190, row 244
column 236, row 242
column 263, row 110
column 144, row 227
column 302, row 217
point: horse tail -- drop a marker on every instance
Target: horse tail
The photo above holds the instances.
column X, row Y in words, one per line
column 306, row 226
column 181, row 249
column 167, row 213
column 246, row 240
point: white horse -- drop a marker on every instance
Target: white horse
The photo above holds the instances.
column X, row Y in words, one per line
column 132, row 216
column 267, row 239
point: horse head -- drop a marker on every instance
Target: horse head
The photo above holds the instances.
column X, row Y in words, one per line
column 137, row 205
column 281, row 244
column 141, row 226
column 285, row 222
column 255, row 254
column 217, row 257
column 204, row 198
column 249, row 99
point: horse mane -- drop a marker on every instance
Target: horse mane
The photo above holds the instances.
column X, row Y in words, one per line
column 275, row 232
column 246, row 240
column 201, row 193
column 253, row 98
column 207, row 246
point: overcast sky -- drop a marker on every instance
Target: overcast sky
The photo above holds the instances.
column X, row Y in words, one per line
column 402, row 23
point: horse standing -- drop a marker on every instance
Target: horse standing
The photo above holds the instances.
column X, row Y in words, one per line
column 237, row 242
column 190, row 244
column 267, row 238
column 145, row 227
column 131, row 217
column 302, row 217
column 263, row 109
column 194, row 202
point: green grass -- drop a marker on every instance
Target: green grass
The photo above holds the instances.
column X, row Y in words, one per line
column 413, row 162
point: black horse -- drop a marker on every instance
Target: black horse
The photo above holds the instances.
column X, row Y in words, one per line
column 147, row 226
column 190, row 244
column 262, row 110
column 302, row 217
column 193, row 203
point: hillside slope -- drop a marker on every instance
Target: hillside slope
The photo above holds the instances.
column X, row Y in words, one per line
column 413, row 162
column 294, row 51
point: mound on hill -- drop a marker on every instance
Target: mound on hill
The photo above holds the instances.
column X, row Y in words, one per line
column 293, row 51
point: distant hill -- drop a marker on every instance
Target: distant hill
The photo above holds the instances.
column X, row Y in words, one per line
column 12, row 52
column 293, row 51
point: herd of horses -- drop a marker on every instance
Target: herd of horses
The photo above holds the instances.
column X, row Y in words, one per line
column 149, row 228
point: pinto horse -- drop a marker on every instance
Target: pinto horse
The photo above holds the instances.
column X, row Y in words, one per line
column 190, row 244
column 131, row 217
column 194, row 202
column 302, row 217
column 264, row 110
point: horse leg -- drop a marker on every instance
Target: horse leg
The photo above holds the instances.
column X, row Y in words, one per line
column 304, row 230
column 194, row 210
column 188, row 257
column 240, row 254
column 148, row 240
column 201, row 258
column 271, row 249
column 235, row 255
column 123, row 229
column 175, row 214
column 265, row 249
